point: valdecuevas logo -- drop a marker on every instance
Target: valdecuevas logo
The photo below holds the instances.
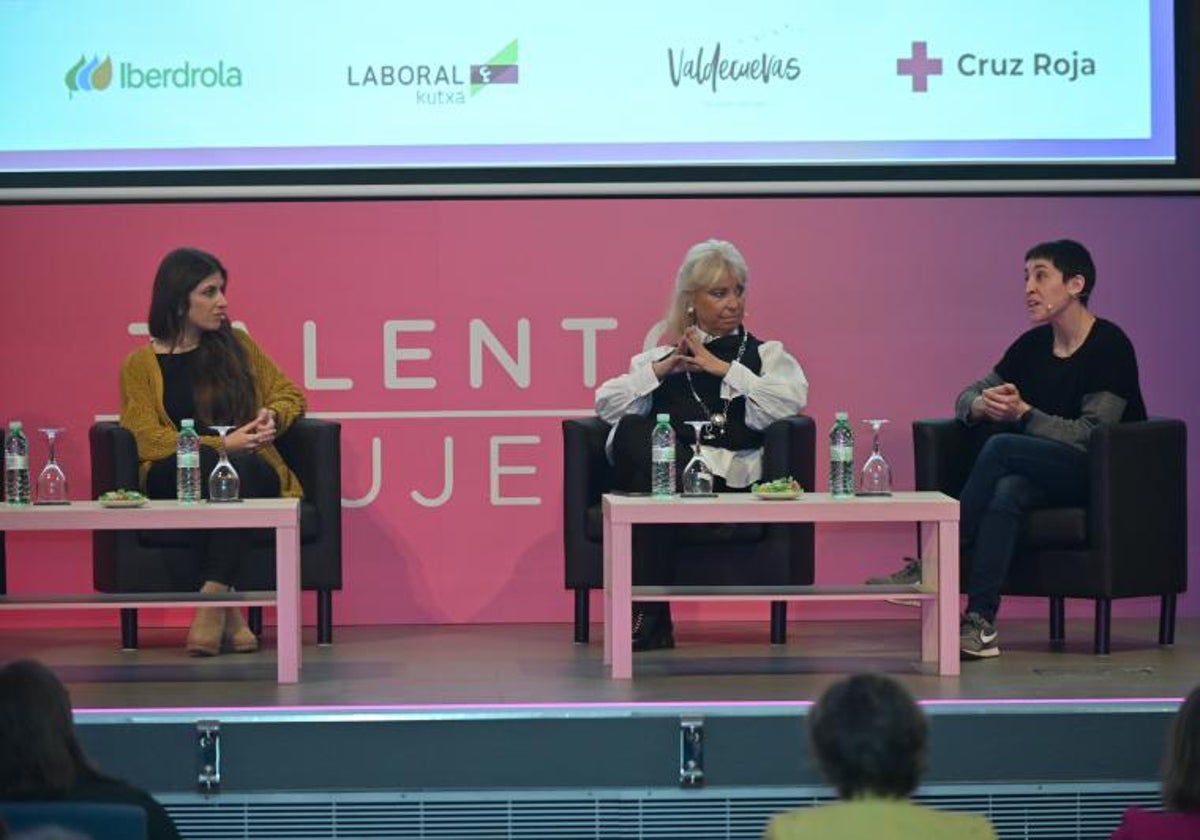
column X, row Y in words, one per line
column 89, row 75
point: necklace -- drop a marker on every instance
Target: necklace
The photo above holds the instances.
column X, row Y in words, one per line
column 717, row 420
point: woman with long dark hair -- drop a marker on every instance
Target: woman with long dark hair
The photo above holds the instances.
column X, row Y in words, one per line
column 197, row 366
column 40, row 756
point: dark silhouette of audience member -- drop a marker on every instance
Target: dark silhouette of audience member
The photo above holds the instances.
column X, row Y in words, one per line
column 869, row 738
column 1181, row 785
column 40, row 755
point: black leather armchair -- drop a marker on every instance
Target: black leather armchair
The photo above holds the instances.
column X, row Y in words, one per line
column 763, row 554
column 1130, row 540
column 158, row 561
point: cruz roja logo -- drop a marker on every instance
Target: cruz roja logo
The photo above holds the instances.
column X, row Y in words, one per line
column 89, row 75
column 440, row 84
column 920, row 66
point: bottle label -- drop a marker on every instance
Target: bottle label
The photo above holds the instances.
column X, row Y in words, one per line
column 659, row 454
column 187, row 459
column 841, row 453
column 16, row 462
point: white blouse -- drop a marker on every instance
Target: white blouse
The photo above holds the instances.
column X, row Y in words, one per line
column 780, row 390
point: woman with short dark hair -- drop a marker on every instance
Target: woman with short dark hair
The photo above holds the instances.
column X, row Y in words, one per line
column 870, row 741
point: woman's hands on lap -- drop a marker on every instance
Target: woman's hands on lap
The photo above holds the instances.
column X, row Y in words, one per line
column 256, row 434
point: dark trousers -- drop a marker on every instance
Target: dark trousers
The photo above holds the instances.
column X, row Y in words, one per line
column 219, row 551
column 653, row 545
column 1013, row 474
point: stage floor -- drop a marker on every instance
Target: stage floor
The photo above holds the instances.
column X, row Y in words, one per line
column 515, row 664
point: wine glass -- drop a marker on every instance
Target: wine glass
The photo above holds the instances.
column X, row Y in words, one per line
column 697, row 475
column 875, row 479
column 223, row 482
column 52, row 481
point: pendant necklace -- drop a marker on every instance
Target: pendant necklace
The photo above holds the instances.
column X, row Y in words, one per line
column 717, row 420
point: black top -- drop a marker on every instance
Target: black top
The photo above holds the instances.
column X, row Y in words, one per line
column 1105, row 362
column 178, row 397
column 674, row 396
column 113, row 791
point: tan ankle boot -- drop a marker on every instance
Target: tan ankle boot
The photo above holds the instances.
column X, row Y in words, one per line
column 204, row 636
column 238, row 636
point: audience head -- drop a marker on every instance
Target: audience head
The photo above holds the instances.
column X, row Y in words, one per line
column 706, row 264
column 1181, row 777
column 869, row 737
column 1069, row 257
column 39, row 752
column 179, row 273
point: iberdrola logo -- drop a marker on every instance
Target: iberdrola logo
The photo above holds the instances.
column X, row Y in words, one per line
column 89, row 75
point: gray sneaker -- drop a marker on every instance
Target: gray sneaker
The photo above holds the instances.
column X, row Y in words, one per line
column 910, row 574
column 977, row 637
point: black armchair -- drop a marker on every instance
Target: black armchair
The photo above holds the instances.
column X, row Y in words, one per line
column 765, row 554
column 158, row 561
column 1130, row 541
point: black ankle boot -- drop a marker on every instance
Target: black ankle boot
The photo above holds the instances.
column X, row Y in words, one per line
column 653, row 628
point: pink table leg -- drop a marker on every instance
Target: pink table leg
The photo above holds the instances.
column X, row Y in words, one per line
column 287, row 594
column 947, row 600
column 618, row 570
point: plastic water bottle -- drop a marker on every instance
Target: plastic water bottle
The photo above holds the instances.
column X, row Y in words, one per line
column 16, row 465
column 662, row 457
column 187, row 463
column 841, row 457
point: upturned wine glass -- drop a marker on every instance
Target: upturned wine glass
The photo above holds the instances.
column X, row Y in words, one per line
column 52, row 481
column 697, row 475
column 875, row 479
column 223, row 482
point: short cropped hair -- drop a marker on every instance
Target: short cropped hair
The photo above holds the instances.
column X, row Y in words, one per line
column 1181, row 776
column 869, row 737
column 704, row 264
column 1069, row 257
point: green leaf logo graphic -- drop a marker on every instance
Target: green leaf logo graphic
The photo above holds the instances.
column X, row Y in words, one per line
column 102, row 75
column 72, row 85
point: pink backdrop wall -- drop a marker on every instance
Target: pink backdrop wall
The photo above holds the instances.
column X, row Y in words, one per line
column 453, row 515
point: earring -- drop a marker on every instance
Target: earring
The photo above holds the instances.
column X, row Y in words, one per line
column 691, row 310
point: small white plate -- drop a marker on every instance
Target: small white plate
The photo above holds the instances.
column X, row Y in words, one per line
column 123, row 503
column 790, row 494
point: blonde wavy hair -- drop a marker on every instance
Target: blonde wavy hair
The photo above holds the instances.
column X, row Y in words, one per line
column 704, row 265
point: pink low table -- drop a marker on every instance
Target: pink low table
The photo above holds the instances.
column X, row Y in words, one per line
column 283, row 515
column 937, row 593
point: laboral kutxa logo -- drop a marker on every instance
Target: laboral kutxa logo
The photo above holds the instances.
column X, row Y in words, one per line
column 439, row 83
column 94, row 74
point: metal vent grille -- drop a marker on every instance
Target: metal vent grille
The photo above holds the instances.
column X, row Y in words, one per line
column 1025, row 811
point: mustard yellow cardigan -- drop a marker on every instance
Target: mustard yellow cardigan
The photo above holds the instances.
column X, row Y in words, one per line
column 143, row 413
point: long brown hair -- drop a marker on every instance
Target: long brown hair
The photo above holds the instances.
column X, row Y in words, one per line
column 1181, row 775
column 39, row 753
column 223, row 385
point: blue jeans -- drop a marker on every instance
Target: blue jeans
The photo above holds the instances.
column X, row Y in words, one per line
column 1013, row 474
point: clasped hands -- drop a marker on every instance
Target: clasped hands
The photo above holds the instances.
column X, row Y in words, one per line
column 690, row 354
column 254, row 435
column 1001, row 403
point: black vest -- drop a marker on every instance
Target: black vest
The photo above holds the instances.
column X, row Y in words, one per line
column 674, row 397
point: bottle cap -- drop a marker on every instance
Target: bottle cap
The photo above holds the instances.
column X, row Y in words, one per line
column 187, row 423
column 14, row 425
column 841, row 415
column 663, row 418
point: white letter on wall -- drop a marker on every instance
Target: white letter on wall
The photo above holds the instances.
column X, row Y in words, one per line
column 497, row 470
column 589, row 327
column 311, row 380
column 518, row 369
column 376, row 478
column 393, row 355
column 447, row 478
